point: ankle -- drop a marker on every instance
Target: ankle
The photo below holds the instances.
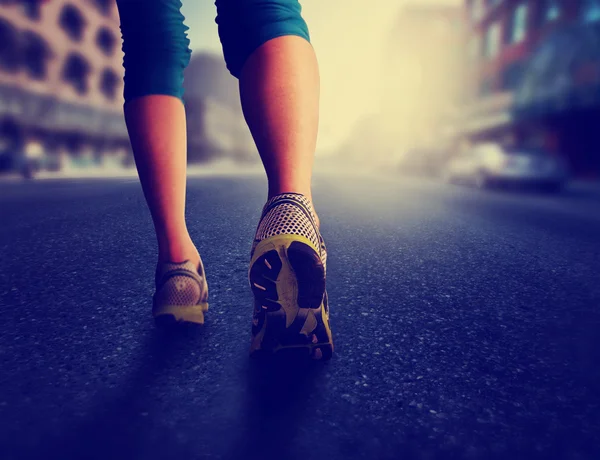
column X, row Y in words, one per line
column 274, row 192
column 178, row 251
column 280, row 188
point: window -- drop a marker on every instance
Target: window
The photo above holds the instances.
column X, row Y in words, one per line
column 105, row 41
column 492, row 40
column 31, row 8
column 590, row 10
column 72, row 22
column 552, row 12
column 75, row 72
column 519, row 24
column 35, row 55
column 108, row 83
column 547, row 11
column 104, row 6
column 9, row 50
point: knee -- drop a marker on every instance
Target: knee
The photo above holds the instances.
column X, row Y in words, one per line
column 155, row 46
column 244, row 25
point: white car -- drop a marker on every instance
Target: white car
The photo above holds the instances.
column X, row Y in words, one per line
column 491, row 164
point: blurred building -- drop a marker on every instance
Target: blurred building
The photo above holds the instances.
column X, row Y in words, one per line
column 534, row 76
column 215, row 126
column 60, row 79
column 420, row 85
column 61, row 90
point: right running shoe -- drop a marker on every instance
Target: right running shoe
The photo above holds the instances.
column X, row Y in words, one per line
column 287, row 277
column 181, row 294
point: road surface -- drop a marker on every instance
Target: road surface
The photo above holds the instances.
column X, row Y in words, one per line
column 466, row 326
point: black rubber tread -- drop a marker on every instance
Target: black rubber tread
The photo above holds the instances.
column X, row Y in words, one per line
column 308, row 268
column 310, row 274
column 170, row 322
column 166, row 321
column 261, row 274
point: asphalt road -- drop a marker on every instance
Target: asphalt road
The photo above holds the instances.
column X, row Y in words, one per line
column 466, row 325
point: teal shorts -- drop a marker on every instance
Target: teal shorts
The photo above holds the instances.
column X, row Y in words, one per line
column 156, row 47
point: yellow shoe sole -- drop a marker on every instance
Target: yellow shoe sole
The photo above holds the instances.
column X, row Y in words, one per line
column 176, row 314
column 287, row 278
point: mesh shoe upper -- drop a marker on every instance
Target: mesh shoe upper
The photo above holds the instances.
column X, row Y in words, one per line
column 180, row 284
column 292, row 214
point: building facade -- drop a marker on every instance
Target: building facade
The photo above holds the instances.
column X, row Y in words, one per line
column 530, row 62
column 61, row 78
column 216, row 127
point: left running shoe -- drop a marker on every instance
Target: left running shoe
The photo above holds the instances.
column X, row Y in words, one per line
column 181, row 293
column 287, row 277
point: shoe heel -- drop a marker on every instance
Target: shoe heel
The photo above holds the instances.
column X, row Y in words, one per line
column 287, row 278
column 176, row 314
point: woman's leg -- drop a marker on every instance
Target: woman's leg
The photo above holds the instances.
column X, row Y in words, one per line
column 156, row 52
column 266, row 44
column 279, row 88
column 157, row 129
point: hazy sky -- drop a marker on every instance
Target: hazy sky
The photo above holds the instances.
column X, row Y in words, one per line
column 348, row 41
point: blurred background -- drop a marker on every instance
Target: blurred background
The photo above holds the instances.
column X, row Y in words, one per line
column 415, row 86
column 465, row 320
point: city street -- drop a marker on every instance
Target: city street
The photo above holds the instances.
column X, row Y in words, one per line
column 466, row 325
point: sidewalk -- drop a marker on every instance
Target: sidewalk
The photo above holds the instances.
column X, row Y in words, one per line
column 210, row 169
column 588, row 188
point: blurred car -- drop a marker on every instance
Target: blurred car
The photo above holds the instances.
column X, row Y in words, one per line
column 491, row 164
column 420, row 162
column 19, row 163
